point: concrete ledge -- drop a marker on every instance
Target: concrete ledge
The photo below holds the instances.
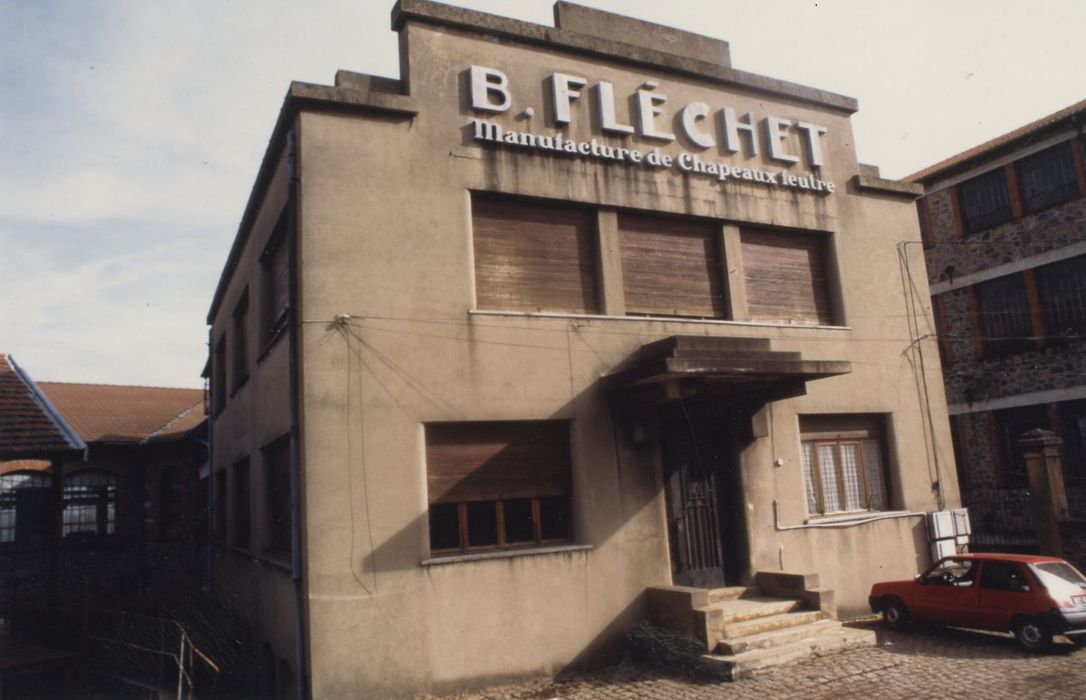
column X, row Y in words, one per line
column 881, row 185
column 482, row 23
column 786, row 585
column 505, row 554
column 368, row 99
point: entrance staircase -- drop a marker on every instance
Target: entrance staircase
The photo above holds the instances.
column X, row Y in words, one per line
column 785, row 618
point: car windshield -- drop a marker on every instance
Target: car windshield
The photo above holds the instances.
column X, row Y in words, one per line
column 1059, row 575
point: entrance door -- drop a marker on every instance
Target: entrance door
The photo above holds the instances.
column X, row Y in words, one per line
column 698, row 482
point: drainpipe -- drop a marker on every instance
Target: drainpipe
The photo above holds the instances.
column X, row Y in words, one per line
column 302, row 691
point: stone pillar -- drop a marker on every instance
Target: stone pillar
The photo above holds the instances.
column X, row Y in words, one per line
column 1042, row 452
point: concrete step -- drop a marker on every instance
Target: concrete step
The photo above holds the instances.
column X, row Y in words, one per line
column 728, row 611
column 775, row 638
column 757, row 625
column 749, row 663
column 717, row 595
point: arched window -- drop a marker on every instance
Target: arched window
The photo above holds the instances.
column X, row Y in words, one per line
column 90, row 503
column 25, row 501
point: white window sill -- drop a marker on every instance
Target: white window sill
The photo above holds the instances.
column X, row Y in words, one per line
column 506, row 554
column 655, row 319
column 857, row 516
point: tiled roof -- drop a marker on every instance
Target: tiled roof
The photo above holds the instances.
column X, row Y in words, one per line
column 128, row 414
column 29, row 426
column 1019, row 134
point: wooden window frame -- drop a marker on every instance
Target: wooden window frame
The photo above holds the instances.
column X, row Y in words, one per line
column 836, row 439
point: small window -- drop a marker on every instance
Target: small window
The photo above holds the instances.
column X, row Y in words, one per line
column 277, row 469
column 218, row 377
column 984, row 201
column 1013, row 423
column 26, row 500
column 275, row 305
column 498, row 485
column 1005, row 321
column 1062, row 288
column 241, row 504
column 844, row 464
column 240, row 340
column 90, row 504
column 787, row 277
column 1047, row 178
column 960, row 573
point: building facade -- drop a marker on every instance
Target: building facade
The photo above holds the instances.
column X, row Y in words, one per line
column 560, row 314
column 1005, row 240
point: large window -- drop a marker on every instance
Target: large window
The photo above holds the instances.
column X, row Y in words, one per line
column 984, row 201
column 1047, row 178
column 786, row 277
column 497, row 485
column 240, row 340
column 1062, row 288
column 671, row 267
column 241, row 504
column 1012, row 423
column 275, row 264
column 90, row 504
column 844, row 463
column 25, row 504
column 277, row 471
column 1004, row 315
column 534, row 256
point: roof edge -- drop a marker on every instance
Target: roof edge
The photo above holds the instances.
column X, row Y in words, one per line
column 38, row 396
column 436, row 13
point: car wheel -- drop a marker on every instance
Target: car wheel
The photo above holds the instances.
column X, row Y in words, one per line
column 1033, row 634
column 894, row 614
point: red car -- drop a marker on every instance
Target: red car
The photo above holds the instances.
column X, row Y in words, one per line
column 1033, row 596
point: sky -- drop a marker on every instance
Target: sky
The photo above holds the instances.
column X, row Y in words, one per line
column 131, row 132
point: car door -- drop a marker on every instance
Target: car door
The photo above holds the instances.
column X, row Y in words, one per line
column 1005, row 590
column 947, row 593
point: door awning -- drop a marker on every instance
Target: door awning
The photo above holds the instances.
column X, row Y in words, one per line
column 683, row 366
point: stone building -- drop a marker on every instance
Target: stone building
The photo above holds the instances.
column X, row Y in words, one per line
column 559, row 316
column 1004, row 228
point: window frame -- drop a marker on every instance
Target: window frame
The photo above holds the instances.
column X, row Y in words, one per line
column 1015, row 473
column 218, row 376
column 993, row 309
column 9, row 502
column 241, row 519
column 239, row 355
column 275, row 314
column 278, row 521
column 860, row 430
column 973, row 188
column 1053, row 282
column 105, row 502
column 1066, row 191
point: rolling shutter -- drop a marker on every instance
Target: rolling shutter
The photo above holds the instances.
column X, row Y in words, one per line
column 534, row 257
column 786, row 277
column 671, row 267
column 497, row 460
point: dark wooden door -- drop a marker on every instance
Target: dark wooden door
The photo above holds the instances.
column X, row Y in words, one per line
column 693, row 482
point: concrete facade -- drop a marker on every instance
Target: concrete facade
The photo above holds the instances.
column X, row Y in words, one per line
column 387, row 338
column 1041, row 379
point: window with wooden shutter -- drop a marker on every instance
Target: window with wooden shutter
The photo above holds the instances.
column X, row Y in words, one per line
column 786, row 277
column 844, row 463
column 532, row 256
column 671, row 267
column 497, row 484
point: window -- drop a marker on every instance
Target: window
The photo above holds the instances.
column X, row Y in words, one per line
column 277, row 470
column 1005, row 322
column 219, row 514
column 844, row 463
column 786, row 277
column 984, row 201
column 90, row 504
column 1003, row 576
column 241, row 506
column 26, row 500
column 173, row 496
column 276, row 274
column 1012, row 423
column 1047, row 178
column 671, row 267
column 498, row 485
column 534, row 257
column 240, row 370
column 1062, row 289
column 218, row 376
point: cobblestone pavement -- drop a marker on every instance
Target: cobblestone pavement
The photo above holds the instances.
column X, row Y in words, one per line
column 919, row 663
